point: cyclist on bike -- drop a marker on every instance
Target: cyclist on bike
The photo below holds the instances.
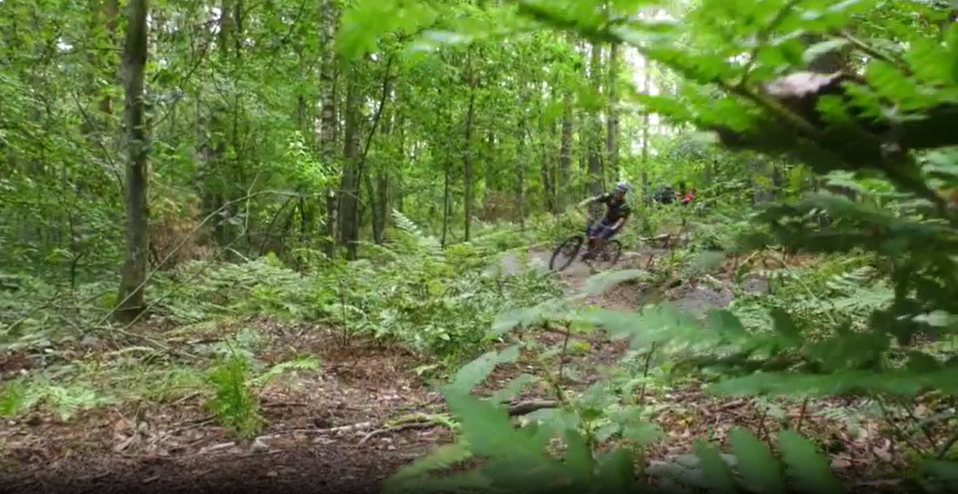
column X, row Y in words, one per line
column 617, row 211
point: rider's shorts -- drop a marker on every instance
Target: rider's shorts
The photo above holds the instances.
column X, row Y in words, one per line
column 601, row 229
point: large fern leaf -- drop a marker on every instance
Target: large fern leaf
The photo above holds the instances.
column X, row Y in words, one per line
column 428, row 244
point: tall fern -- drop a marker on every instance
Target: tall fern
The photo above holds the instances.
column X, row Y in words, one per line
column 427, row 244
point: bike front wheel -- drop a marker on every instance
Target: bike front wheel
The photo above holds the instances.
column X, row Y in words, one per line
column 565, row 253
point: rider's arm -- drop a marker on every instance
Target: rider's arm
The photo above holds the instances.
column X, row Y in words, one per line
column 626, row 212
column 588, row 201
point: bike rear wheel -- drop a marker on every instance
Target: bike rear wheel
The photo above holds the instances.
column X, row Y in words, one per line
column 565, row 253
column 608, row 256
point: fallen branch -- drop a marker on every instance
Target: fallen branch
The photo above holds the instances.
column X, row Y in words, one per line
column 339, row 430
column 527, row 407
column 401, row 427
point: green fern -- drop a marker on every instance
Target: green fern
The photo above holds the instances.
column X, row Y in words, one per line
column 429, row 244
column 302, row 364
column 233, row 404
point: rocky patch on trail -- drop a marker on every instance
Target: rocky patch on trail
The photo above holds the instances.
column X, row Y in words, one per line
column 698, row 299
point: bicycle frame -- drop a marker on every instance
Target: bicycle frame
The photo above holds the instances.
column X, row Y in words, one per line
column 594, row 229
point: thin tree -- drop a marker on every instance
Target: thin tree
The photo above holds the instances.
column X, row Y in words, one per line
column 130, row 298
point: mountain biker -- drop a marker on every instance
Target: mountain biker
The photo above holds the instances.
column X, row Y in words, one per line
column 617, row 211
column 664, row 194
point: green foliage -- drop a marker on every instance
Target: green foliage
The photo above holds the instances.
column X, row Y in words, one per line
column 234, row 405
column 434, row 301
column 461, row 111
column 236, row 380
column 21, row 395
column 510, row 454
column 412, row 292
column 847, row 331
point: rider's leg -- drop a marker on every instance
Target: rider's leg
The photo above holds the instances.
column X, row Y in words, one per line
column 600, row 232
column 601, row 239
column 589, row 236
column 590, row 231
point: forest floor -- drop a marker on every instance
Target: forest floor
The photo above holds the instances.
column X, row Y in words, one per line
column 345, row 428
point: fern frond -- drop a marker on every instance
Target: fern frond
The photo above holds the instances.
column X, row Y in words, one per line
column 409, row 227
column 851, row 281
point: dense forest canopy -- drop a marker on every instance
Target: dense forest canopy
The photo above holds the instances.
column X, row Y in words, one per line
column 184, row 185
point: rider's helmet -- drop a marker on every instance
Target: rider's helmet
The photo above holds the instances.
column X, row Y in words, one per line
column 623, row 187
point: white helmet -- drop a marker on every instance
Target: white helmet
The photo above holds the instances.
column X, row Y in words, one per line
column 623, row 186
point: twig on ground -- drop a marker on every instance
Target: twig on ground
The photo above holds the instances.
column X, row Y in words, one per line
column 801, row 416
column 399, row 428
column 645, row 372
column 527, row 407
column 918, row 423
column 901, row 434
column 283, row 404
column 762, row 429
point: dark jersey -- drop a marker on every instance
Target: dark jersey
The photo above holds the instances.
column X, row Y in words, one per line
column 664, row 195
column 614, row 210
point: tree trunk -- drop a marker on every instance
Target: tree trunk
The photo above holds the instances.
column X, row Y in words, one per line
column 612, row 125
column 646, row 87
column 398, row 193
column 349, row 187
column 382, row 203
column 547, row 166
column 565, row 151
column 595, row 185
column 327, row 131
column 130, row 300
column 446, row 202
column 490, row 194
column 467, row 150
column 379, row 196
column 520, row 207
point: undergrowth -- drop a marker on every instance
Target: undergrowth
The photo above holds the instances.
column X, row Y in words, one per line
column 409, row 293
column 860, row 326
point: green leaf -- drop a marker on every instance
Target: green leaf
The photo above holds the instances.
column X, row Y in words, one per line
column 715, row 469
column 756, row 464
column 807, row 467
column 508, row 354
column 513, row 388
column 442, row 457
column 727, row 323
column 946, row 471
column 578, row 458
column 922, row 362
column 615, row 473
column 642, row 433
column 785, row 326
column 488, row 429
column 951, row 38
column 473, row 373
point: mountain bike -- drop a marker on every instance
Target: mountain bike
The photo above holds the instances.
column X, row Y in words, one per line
column 568, row 251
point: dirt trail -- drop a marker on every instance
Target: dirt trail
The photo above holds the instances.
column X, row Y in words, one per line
column 574, row 277
column 329, row 432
